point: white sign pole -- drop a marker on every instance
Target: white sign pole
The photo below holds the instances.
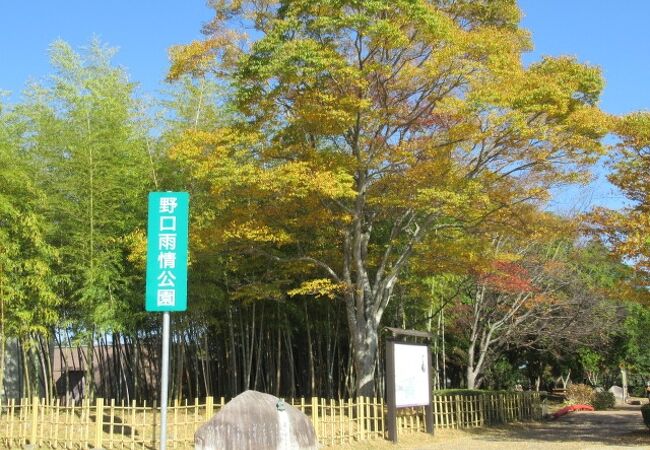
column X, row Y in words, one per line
column 164, row 381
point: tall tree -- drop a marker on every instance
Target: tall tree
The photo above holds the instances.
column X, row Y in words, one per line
column 626, row 230
column 367, row 127
column 28, row 303
column 94, row 165
column 537, row 294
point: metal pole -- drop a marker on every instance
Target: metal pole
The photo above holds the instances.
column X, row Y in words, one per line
column 164, row 381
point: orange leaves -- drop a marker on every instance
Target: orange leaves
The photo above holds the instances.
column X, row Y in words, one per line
column 508, row 277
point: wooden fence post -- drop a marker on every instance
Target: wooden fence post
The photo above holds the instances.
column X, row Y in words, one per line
column 314, row 415
column 34, row 429
column 99, row 422
column 209, row 408
column 361, row 418
column 434, row 405
column 10, row 417
column 111, row 426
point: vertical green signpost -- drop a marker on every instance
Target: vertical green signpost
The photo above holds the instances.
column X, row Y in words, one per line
column 167, row 239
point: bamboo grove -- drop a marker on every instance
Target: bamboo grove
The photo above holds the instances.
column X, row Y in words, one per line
column 352, row 165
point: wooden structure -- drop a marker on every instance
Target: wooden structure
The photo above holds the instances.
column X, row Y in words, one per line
column 393, row 345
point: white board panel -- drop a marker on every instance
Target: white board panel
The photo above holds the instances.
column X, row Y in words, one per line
column 411, row 375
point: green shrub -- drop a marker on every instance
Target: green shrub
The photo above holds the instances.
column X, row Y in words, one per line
column 462, row 392
column 603, row 400
column 579, row 394
column 638, row 391
column 476, row 392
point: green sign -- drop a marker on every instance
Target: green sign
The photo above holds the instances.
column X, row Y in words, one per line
column 167, row 251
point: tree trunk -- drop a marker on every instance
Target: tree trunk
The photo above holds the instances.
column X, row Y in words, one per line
column 27, row 379
column 42, row 353
column 624, row 382
column 471, row 378
column 234, row 378
column 310, row 355
column 89, row 378
column 205, row 366
column 180, row 366
column 565, row 381
column 290, row 362
column 444, row 355
column 364, row 347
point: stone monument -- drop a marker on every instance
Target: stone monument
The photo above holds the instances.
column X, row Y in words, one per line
column 618, row 392
column 256, row 421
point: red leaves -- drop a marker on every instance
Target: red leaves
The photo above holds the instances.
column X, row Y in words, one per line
column 438, row 120
column 508, row 277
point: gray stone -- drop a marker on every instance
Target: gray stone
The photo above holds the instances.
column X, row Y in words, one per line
column 617, row 391
column 256, row 421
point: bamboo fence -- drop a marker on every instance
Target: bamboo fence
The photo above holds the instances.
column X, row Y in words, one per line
column 108, row 425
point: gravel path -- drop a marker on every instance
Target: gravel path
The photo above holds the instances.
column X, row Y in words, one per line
column 621, row 428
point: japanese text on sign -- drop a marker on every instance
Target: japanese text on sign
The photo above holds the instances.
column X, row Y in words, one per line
column 167, row 251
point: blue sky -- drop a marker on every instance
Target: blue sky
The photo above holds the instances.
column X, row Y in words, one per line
column 610, row 34
column 607, row 33
column 142, row 30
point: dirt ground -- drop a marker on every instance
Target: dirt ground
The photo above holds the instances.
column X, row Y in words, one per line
column 621, row 428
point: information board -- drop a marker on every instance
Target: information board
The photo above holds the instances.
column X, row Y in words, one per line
column 167, row 239
column 411, row 375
